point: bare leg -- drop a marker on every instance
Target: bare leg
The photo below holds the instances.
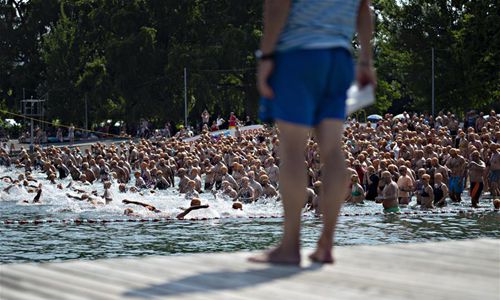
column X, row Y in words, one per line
column 293, row 179
column 494, row 189
column 335, row 183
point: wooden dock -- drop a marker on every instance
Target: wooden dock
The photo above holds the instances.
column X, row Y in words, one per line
column 444, row 270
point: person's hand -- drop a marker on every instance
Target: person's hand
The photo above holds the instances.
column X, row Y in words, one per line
column 264, row 71
column 365, row 74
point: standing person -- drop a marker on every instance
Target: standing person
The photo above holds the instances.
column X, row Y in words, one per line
column 232, row 121
column 457, row 165
column 427, row 196
column 214, row 126
column 440, row 190
column 389, row 194
column 59, row 135
column 205, row 117
column 405, row 185
column 219, row 122
column 494, row 173
column 371, row 182
column 167, row 132
column 305, row 68
column 248, row 121
column 453, row 127
column 476, row 169
column 357, row 191
column 71, row 134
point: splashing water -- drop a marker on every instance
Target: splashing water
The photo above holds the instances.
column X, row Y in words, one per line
column 225, row 230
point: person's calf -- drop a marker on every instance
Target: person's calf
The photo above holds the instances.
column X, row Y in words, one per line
column 323, row 251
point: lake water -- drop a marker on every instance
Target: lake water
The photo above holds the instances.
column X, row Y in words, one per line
column 258, row 226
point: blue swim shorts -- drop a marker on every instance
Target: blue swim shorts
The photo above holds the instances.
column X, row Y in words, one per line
column 310, row 85
column 455, row 185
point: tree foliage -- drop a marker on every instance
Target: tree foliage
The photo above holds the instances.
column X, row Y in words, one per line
column 125, row 59
column 465, row 37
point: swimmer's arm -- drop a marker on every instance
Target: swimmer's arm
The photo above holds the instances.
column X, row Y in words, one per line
column 481, row 165
column 152, row 208
column 237, row 196
column 125, row 201
column 37, row 197
column 7, row 189
column 188, row 210
column 73, row 197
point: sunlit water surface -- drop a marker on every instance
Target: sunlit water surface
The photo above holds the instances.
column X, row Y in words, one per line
column 225, row 230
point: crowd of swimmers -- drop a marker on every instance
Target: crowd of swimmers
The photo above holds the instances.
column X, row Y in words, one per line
column 405, row 161
column 429, row 160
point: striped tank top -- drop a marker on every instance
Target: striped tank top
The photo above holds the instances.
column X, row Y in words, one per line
column 319, row 24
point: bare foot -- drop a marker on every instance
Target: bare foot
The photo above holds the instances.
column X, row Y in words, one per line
column 323, row 252
column 278, row 255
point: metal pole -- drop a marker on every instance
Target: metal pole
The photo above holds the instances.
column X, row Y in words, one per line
column 31, row 137
column 185, row 99
column 86, row 118
column 433, row 100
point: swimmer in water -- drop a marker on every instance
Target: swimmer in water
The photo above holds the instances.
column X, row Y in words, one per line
column 389, row 197
column 496, row 204
column 145, row 205
column 268, row 189
column 195, row 205
column 237, row 205
column 108, row 197
column 476, row 171
column 310, row 196
column 7, row 179
column 246, row 193
column 191, row 190
column 315, row 203
column 190, row 209
column 405, row 185
column 38, row 194
column 227, row 190
column 440, row 190
column 427, row 193
column 357, row 191
column 36, row 199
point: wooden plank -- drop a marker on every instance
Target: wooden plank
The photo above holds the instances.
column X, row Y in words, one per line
column 442, row 260
column 445, row 254
column 15, row 287
column 259, row 282
column 10, row 294
column 44, row 282
column 200, row 273
column 128, row 275
column 346, row 274
column 481, row 251
column 443, row 270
